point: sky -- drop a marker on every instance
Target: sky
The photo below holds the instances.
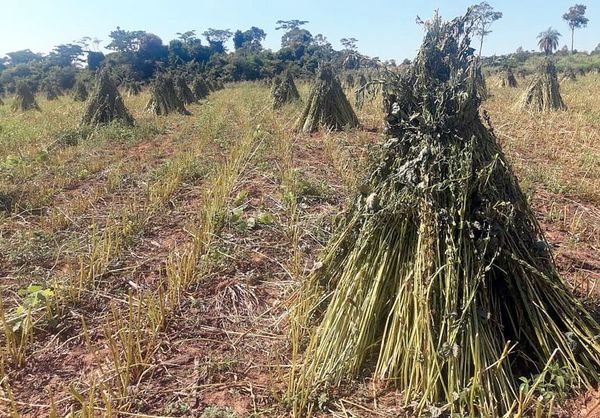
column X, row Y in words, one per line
column 384, row 28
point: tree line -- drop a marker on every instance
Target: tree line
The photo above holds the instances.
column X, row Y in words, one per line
column 137, row 55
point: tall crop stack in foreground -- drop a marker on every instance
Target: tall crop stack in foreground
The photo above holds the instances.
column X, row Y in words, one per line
column 327, row 106
column 508, row 78
column 543, row 93
column 164, row 99
column 439, row 280
column 24, row 100
column 480, row 84
column 105, row 104
column 284, row 91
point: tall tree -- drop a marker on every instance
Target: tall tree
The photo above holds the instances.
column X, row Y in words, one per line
column 124, row 40
column 321, row 40
column 576, row 19
column 66, row 54
column 24, row 56
column 483, row 16
column 216, row 38
column 188, row 37
column 288, row 25
column 548, row 40
column 250, row 40
column 349, row 44
column 294, row 36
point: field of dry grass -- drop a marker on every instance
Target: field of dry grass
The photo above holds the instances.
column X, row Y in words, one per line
column 149, row 271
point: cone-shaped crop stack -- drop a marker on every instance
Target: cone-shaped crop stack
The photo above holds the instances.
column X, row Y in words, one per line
column 24, row 100
column 105, row 104
column 51, row 92
column 508, row 78
column 183, row 91
column 543, row 93
column 284, row 91
column 439, row 280
column 80, row 93
column 327, row 105
column 164, row 99
column 480, row 84
column 569, row 75
column 200, row 88
column 132, row 87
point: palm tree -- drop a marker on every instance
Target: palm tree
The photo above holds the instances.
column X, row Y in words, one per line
column 548, row 40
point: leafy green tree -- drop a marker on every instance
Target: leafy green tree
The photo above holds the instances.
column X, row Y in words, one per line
column 349, row 44
column 65, row 55
column 188, row 37
column 576, row 19
column 24, row 56
column 151, row 53
column 321, row 41
column 94, row 60
column 294, row 36
column 178, row 53
column 250, row 40
column 124, row 41
column 288, row 25
column 217, row 38
column 483, row 16
column 548, row 40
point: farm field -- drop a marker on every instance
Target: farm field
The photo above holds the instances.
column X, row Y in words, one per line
column 149, row 271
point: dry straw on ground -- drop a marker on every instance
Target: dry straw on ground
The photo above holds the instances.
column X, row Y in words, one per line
column 439, row 280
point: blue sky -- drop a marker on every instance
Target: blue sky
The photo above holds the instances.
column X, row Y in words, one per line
column 384, row 28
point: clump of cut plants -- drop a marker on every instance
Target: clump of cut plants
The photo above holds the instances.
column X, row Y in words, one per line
column 543, row 93
column 200, row 88
column 164, row 99
column 132, row 87
column 480, row 83
column 183, row 91
column 24, row 99
column 284, row 90
column 439, row 280
column 327, row 106
column 349, row 80
column 362, row 80
column 508, row 78
column 80, row 92
column 51, row 92
column 105, row 104
column 569, row 75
